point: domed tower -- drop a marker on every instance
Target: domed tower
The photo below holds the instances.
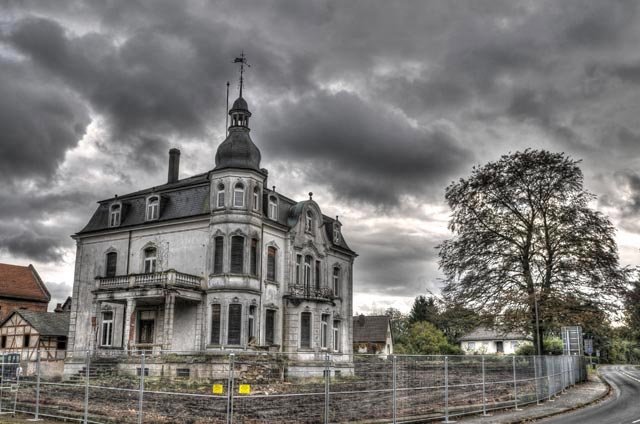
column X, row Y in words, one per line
column 234, row 289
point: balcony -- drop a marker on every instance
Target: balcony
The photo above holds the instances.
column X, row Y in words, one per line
column 300, row 291
column 170, row 278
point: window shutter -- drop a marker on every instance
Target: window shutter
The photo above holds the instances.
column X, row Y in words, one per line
column 217, row 255
column 215, row 324
column 305, row 329
column 237, row 254
column 270, row 326
column 235, row 324
column 112, row 259
column 254, row 257
column 271, row 263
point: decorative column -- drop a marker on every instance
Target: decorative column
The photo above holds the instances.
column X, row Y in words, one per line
column 129, row 324
column 169, row 306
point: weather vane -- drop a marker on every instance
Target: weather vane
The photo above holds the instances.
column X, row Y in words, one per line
column 242, row 60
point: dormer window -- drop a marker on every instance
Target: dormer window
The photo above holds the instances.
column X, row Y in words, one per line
column 308, row 223
column 256, row 199
column 114, row 215
column 273, row 208
column 220, row 198
column 336, row 234
column 238, row 195
column 153, row 208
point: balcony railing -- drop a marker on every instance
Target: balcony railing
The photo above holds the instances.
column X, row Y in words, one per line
column 165, row 278
column 310, row 292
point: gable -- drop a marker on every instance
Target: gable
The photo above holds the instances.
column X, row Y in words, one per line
column 22, row 282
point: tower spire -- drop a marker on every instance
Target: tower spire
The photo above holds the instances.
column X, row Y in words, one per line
column 242, row 60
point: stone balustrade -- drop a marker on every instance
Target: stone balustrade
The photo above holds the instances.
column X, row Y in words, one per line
column 168, row 278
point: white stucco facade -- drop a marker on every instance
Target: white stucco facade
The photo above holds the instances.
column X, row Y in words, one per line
column 214, row 262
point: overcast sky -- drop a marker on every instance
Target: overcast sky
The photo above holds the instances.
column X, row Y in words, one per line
column 374, row 106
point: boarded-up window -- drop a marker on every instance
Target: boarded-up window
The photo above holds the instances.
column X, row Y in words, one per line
column 235, row 324
column 112, row 259
column 270, row 326
column 237, row 254
column 215, row 324
column 271, row 263
column 254, row 257
column 217, row 255
column 61, row 343
column 305, row 330
column 26, row 340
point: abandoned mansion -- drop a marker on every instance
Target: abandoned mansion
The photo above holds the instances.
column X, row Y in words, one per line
column 211, row 263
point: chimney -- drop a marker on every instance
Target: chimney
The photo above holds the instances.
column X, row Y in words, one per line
column 58, row 308
column 174, row 165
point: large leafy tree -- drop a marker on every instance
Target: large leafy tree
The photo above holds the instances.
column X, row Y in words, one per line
column 525, row 240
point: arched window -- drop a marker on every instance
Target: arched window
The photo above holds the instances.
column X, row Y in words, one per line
column 153, row 208
column 271, row 263
column 150, row 256
column 218, row 254
column 273, row 208
column 220, row 199
column 114, row 215
column 256, row 199
column 308, row 223
column 237, row 254
column 336, row 281
column 238, row 195
column 112, row 259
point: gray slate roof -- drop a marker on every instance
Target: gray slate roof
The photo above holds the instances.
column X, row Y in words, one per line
column 45, row 323
column 483, row 333
column 370, row 328
column 189, row 197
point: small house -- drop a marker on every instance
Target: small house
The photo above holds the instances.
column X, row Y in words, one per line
column 27, row 332
column 372, row 334
column 485, row 340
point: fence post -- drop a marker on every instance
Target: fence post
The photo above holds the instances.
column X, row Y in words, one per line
column 3, row 381
column 535, row 375
column 484, row 392
column 37, row 416
column 141, row 397
column 515, row 383
column 327, row 377
column 15, row 396
column 230, row 391
column 446, row 389
column 395, row 388
column 552, row 378
column 87, row 367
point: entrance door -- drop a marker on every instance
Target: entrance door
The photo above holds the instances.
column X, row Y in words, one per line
column 499, row 347
column 146, row 325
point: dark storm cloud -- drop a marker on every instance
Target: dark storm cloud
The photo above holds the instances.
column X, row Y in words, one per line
column 39, row 122
column 394, row 260
column 364, row 153
column 59, row 292
column 31, row 241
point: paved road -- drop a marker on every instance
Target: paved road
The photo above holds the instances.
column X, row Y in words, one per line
column 621, row 408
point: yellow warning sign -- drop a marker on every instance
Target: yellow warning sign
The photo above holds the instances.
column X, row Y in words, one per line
column 217, row 389
column 245, row 389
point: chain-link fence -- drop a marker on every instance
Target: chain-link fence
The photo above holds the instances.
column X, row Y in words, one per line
column 266, row 387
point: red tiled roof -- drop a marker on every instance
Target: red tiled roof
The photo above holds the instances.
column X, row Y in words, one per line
column 22, row 282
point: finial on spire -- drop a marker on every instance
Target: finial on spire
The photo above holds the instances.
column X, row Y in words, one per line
column 242, row 60
column 310, row 195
